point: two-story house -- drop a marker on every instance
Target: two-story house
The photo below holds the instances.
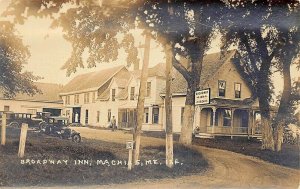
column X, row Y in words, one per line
column 94, row 98
column 230, row 111
column 82, row 96
column 153, row 112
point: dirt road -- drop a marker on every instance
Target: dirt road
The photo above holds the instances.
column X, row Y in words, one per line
column 228, row 169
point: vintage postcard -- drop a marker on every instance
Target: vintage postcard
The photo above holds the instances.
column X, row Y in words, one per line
column 149, row 94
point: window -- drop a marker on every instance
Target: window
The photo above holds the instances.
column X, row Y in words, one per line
column 98, row 116
column 155, row 115
column 93, row 97
column 146, row 115
column 182, row 112
column 108, row 115
column 86, row 98
column 6, row 108
column 76, row 99
column 227, row 117
column 148, row 89
column 132, row 93
column 222, row 88
column 68, row 100
column 113, row 95
column 237, row 90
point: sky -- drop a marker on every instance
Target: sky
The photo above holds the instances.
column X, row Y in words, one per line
column 49, row 51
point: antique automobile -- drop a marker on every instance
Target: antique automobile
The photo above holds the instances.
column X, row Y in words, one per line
column 16, row 119
column 58, row 126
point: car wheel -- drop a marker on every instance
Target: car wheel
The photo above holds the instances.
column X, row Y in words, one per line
column 42, row 126
column 76, row 138
column 14, row 124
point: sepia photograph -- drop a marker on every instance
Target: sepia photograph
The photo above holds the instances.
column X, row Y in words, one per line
column 167, row 94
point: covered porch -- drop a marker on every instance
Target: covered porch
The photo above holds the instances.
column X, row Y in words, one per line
column 227, row 120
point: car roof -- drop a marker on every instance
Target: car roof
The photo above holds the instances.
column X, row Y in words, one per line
column 58, row 117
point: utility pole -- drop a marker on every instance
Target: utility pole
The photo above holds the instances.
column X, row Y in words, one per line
column 168, row 106
column 168, row 97
column 141, row 100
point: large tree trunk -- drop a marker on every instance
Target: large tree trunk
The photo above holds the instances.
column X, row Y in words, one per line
column 188, row 118
column 267, row 134
column 168, row 107
column 280, row 120
column 264, row 94
column 141, row 101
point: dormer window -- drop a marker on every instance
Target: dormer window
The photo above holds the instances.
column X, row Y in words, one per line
column 68, row 100
column 222, row 88
column 237, row 90
column 113, row 95
column 76, row 99
column 86, row 98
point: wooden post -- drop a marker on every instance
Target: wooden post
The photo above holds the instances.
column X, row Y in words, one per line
column 141, row 100
column 130, row 159
column 214, row 119
column 168, row 106
column 22, row 140
column 3, row 130
column 231, row 124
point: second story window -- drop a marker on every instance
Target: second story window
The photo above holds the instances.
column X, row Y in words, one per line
column 93, row 97
column 76, row 99
column 237, row 90
column 86, row 98
column 68, row 100
column 132, row 93
column 221, row 88
column 113, row 95
column 148, row 89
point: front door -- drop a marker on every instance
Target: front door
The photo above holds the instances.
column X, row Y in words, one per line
column 76, row 115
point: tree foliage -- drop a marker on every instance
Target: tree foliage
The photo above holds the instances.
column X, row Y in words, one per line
column 88, row 26
column 13, row 54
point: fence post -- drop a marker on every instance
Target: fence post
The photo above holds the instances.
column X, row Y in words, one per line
column 3, row 130
column 22, row 140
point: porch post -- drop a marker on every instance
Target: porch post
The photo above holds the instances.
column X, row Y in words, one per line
column 214, row 119
column 231, row 123
column 199, row 121
column 250, row 123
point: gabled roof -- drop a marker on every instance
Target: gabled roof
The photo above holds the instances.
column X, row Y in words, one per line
column 91, row 80
column 50, row 93
column 211, row 64
column 156, row 71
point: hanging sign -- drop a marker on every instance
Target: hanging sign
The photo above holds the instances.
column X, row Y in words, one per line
column 202, row 97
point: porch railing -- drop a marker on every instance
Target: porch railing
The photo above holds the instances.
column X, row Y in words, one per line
column 227, row 130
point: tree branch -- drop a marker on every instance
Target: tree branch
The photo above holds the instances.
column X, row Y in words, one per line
column 181, row 69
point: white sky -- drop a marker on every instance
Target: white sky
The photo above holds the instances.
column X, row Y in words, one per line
column 49, row 51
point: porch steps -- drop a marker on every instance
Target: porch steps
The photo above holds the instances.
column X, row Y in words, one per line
column 204, row 135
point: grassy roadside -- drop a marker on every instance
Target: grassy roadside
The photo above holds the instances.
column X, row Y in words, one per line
column 51, row 161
